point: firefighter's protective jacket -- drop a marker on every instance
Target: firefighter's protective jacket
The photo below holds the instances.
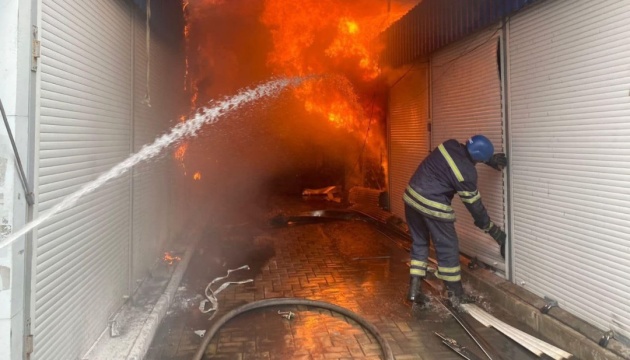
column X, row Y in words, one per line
column 446, row 171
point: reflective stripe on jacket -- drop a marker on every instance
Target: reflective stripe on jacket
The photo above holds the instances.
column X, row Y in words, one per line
column 446, row 171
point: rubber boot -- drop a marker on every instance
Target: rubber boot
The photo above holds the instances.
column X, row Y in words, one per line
column 415, row 294
column 456, row 295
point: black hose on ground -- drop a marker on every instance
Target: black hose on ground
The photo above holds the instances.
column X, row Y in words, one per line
column 387, row 350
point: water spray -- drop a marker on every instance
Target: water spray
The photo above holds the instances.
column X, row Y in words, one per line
column 189, row 128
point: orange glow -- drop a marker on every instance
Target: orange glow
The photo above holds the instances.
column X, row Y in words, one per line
column 180, row 153
column 170, row 259
column 324, row 37
column 350, row 43
column 351, row 26
column 197, row 176
column 185, row 5
column 337, row 39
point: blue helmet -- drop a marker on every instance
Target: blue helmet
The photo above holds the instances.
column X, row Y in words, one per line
column 480, row 148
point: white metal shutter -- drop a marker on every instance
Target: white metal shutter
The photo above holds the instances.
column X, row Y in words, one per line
column 570, row 131
column 466, row 100
column 81, row 260
column 407, row 132
column 150, row 179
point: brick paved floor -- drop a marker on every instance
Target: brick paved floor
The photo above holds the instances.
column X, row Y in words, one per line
column 350, row 264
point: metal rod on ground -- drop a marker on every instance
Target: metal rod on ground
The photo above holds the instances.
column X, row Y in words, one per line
column 528, row 341
column 453, row 345
column 479, row 340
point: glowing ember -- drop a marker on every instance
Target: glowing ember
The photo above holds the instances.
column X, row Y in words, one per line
column 180, row 153
column 170, row 259
column 197, row 176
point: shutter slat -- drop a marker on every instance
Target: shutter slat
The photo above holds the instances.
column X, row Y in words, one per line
column 467, row 101
column 81, row 255
column 569, row 111
column 408, row 136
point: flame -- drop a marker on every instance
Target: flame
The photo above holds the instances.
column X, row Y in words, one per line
column 197, row 176
column 336, row 37
column 333, row 38
column 180, row 153
column 170, row 259
column 351, row 44
column 326, row 36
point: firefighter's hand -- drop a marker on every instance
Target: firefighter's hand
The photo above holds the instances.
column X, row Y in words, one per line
column 499, row 236
column 498, row 161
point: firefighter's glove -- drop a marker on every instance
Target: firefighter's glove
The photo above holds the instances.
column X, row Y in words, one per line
column 499, row 236
column 498, row 161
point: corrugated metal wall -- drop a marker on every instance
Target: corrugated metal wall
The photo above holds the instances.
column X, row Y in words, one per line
column 93, row 79
column 151, row 180
column 466, row 100
column 407, row 131
column 82, row 263
column 433, row 24
column 570, row 156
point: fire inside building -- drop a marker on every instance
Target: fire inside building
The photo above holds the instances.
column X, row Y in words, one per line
column 330, row 179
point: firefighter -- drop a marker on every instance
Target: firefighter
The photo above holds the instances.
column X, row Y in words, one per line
column 448, row 170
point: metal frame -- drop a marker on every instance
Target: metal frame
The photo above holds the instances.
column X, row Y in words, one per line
column 132, row 172
column 507, row 188
column 33, row 173
column 25, row 128
column 388, row 122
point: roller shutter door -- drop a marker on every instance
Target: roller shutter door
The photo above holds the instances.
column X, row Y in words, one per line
column 407, row 132
column 150, row 179
column 570, row 134
column 466, row 100
column 82, row 255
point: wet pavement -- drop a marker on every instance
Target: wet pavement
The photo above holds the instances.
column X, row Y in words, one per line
column 349, row 263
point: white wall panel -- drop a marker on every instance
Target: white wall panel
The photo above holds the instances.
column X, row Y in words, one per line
column 570, row 132
column 93, row 83
column 407, row 132
column 82, row 262
column 466, row 100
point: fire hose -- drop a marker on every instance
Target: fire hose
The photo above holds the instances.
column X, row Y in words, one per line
column 214, row 329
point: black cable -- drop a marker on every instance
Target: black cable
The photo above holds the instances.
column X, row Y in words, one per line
column 214, row 329
column 28, row 193
column 464, row 53
column 403, row 75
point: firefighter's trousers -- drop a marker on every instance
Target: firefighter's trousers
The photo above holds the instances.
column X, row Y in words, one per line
column 445, row 243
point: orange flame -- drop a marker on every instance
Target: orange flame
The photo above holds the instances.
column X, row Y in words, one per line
column 326, row 36
column 335, row 37
column 197, row 176
column 350, row 44
column 170, row 259
column 180, row 153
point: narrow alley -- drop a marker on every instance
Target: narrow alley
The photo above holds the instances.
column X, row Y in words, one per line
column 350, row 264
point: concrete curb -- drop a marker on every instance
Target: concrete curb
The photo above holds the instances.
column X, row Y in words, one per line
column 145, row 337
column 561, row 327
column 526, row 306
